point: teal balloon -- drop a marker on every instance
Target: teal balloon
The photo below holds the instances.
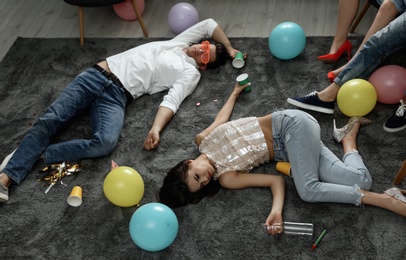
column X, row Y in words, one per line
column 153, row 227
column 287, row 40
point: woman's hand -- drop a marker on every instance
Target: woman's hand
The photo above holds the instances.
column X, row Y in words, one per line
column 274, row 223
column 224, row 114
column 238, row 88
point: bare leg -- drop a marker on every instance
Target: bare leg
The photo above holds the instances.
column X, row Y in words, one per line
column 329, row 93
column 349, row 142
column 384, row 201
column 347, row 10
column 387, row 13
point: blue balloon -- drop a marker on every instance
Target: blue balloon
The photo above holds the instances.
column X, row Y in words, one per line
column 153, row 226
column 287, row 40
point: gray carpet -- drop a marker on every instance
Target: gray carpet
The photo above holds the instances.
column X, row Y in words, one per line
column 35, row 225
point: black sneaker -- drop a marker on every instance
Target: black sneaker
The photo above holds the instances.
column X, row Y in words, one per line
column 397, row 121
column 313, row 102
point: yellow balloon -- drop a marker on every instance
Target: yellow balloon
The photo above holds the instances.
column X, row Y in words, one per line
column 123, row 186
column 357, row 97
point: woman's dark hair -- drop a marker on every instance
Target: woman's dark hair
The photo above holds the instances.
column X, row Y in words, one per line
column 221, row 55
column 175, row 193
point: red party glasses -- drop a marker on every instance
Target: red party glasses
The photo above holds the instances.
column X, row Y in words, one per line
column 205, row 57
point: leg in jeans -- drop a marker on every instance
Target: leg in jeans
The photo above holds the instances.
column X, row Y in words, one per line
column 81, row 94
column 387, row 12
column 350, row 171
column 299, row 135
column 106, row 119
column 379, row 46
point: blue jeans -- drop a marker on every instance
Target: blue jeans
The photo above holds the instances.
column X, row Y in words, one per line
column 318, row 174
column 90, row 91
column 379, row 46
column 399, row 4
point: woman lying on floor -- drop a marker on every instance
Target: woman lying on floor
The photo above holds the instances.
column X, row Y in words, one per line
column 230, row 149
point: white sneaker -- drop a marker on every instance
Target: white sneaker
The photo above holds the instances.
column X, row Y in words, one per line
column 6, row 160
column 3, row 193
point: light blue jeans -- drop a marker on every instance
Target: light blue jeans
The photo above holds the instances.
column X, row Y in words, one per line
column 318, row 174
column 399, row 4
column 89, row 92
column 379, row 46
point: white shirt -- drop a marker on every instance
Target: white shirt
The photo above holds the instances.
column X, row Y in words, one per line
column 158, row 66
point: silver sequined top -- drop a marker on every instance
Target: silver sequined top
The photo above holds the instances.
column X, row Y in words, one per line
column 236, row 146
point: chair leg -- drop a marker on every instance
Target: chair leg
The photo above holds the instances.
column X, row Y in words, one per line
column 81, row 25
column 401, row 174
column 360, row 16
column 139, row 17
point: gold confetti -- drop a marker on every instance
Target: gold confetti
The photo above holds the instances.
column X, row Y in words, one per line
column 56, row 172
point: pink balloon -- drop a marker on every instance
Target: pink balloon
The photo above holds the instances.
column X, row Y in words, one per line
column 125, row 10
column 182, row 16
column 390, row 83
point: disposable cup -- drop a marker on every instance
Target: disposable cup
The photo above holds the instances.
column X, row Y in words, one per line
column 238, row 61
column 244, row 79
column 75, row 197
column 283, row 167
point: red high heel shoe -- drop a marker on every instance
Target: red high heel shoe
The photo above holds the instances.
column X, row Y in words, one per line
column 329, row 58
column 331, row 76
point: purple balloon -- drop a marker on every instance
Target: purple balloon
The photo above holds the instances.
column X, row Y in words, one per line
column 182, row 16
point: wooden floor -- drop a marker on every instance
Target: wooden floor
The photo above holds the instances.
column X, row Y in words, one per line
column 238, row 18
